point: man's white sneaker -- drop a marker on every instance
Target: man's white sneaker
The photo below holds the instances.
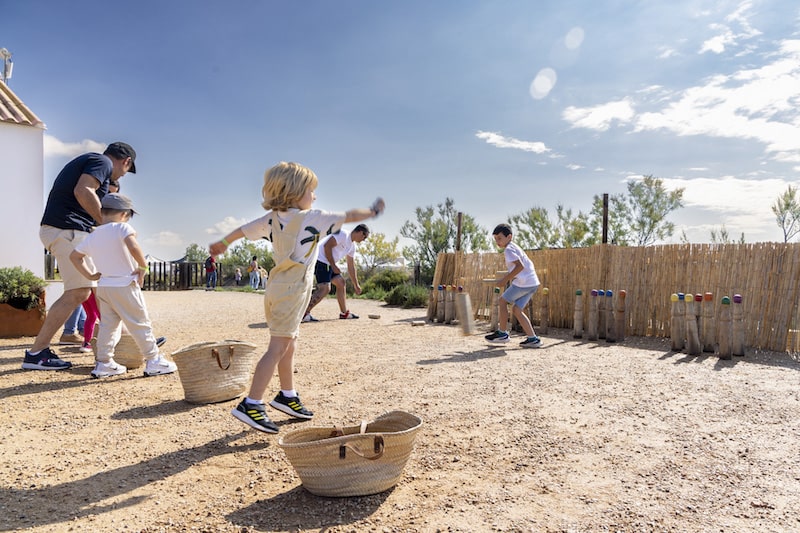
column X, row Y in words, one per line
column 159, row 365
column 104, row 370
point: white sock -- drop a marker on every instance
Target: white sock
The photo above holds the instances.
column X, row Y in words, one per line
column 250, row 400
column 291, row 393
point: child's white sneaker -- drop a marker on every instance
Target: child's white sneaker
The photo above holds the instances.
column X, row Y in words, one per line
column 159, row 365
column 104, row 370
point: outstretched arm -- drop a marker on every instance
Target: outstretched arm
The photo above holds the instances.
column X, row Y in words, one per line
column 363, row 213
column 224, row 243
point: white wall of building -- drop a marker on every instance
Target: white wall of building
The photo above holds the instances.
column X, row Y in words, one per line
column 21, row 196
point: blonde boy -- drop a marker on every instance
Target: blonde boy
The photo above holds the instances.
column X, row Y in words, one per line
column 294, row 229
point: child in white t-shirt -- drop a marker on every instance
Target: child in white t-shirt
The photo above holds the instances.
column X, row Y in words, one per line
column 294, row 229
column 524, row 283
column 120, row 269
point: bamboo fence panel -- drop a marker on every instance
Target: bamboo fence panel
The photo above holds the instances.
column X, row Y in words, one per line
column 767, row 275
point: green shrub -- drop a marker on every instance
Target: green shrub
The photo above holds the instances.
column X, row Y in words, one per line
column 408, row 296
column 20, row 288
column 386, row 280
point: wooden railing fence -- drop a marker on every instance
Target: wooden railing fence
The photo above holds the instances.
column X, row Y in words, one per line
column 767, row 275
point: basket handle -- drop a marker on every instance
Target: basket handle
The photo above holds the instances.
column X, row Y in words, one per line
column 378, row 447
column 215, row 353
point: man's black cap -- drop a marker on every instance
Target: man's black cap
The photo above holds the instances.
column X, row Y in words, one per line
column 122, row 150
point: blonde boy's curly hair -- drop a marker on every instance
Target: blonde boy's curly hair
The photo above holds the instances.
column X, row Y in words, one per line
column 285, row 184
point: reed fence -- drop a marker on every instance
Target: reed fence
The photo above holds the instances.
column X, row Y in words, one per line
column 765, row 274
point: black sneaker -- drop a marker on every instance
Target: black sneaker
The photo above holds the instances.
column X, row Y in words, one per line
column 254, row 415
column 497, row 336
column 44, row 360
column 531, row 342
column 347, row 315
column 290, row 406
column 160, row 341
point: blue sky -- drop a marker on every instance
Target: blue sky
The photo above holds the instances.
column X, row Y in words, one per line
column 500, row 105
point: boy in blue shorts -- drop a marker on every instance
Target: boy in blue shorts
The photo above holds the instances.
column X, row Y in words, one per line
column 524, row 283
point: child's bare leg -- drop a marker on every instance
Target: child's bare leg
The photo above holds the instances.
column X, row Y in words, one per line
column 524, row 321
column 265, row 368
column 286, row 367
column 502, row 319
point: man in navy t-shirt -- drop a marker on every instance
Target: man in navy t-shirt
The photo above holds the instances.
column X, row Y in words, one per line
column 72, row 210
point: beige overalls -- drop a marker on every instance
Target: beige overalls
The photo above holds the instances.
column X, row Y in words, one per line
column 290, row 283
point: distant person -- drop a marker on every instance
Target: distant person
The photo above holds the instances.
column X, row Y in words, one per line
column 255, row 277
column 72, row 211
column 111, row 255
column 524, row 283
column 211, row 273
column 332, row 249
column 262, row 275
column 292, row 227
column 238, row 276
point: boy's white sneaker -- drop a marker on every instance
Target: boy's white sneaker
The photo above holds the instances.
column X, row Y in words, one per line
column 159, row 365
column 104, row 370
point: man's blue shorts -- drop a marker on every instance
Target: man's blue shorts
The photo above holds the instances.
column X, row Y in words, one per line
column 323, row 272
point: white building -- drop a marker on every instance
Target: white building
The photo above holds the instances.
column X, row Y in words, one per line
column 21, row 183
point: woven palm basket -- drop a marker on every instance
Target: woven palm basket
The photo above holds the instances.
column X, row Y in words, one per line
column 212, row 372
column 354, row 460
column 126, row 352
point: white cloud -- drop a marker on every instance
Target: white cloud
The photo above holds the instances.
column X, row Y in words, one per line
column 736, row 28
column 164, row 238
column 225, row 226
column 55, row 148
column 759, row 104
column 740, row 204
column 601, row 116
column 500, row 141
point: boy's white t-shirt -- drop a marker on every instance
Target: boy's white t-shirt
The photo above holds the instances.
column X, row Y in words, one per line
column 106, row 246
column 344, row 247
column 526, row 278
column 316, row 225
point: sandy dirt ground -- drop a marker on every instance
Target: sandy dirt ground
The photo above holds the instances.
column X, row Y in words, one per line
column 575, row 436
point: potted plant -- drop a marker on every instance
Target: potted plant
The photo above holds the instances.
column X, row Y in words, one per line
column 22, row 304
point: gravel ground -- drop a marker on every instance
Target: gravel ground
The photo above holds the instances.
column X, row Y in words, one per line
column 575, row 436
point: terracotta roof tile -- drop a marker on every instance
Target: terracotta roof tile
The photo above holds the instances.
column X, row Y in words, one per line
column 14, row 111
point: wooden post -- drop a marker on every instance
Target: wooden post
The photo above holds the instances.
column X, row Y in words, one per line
column 544, row 321
column 601, row 314
column 431, row 304
column 577, row 323
column 440, row 304
column 675, row 333
column 738, row 326
column 591, row 327
column 449, row 304
column 709, row 323
column 464, row 312
column 692, row 336
column 495, row 308
column 619, row 316
column 610, row 329
column 725, row 332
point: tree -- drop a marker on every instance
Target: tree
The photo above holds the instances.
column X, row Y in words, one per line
column 640, row 218
column 618, row 221
column 195, row 253
column 721, row 236
column 436, row 232
column 534, row 230
column 376, row 252
column 242, row 252
column 787, row 213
